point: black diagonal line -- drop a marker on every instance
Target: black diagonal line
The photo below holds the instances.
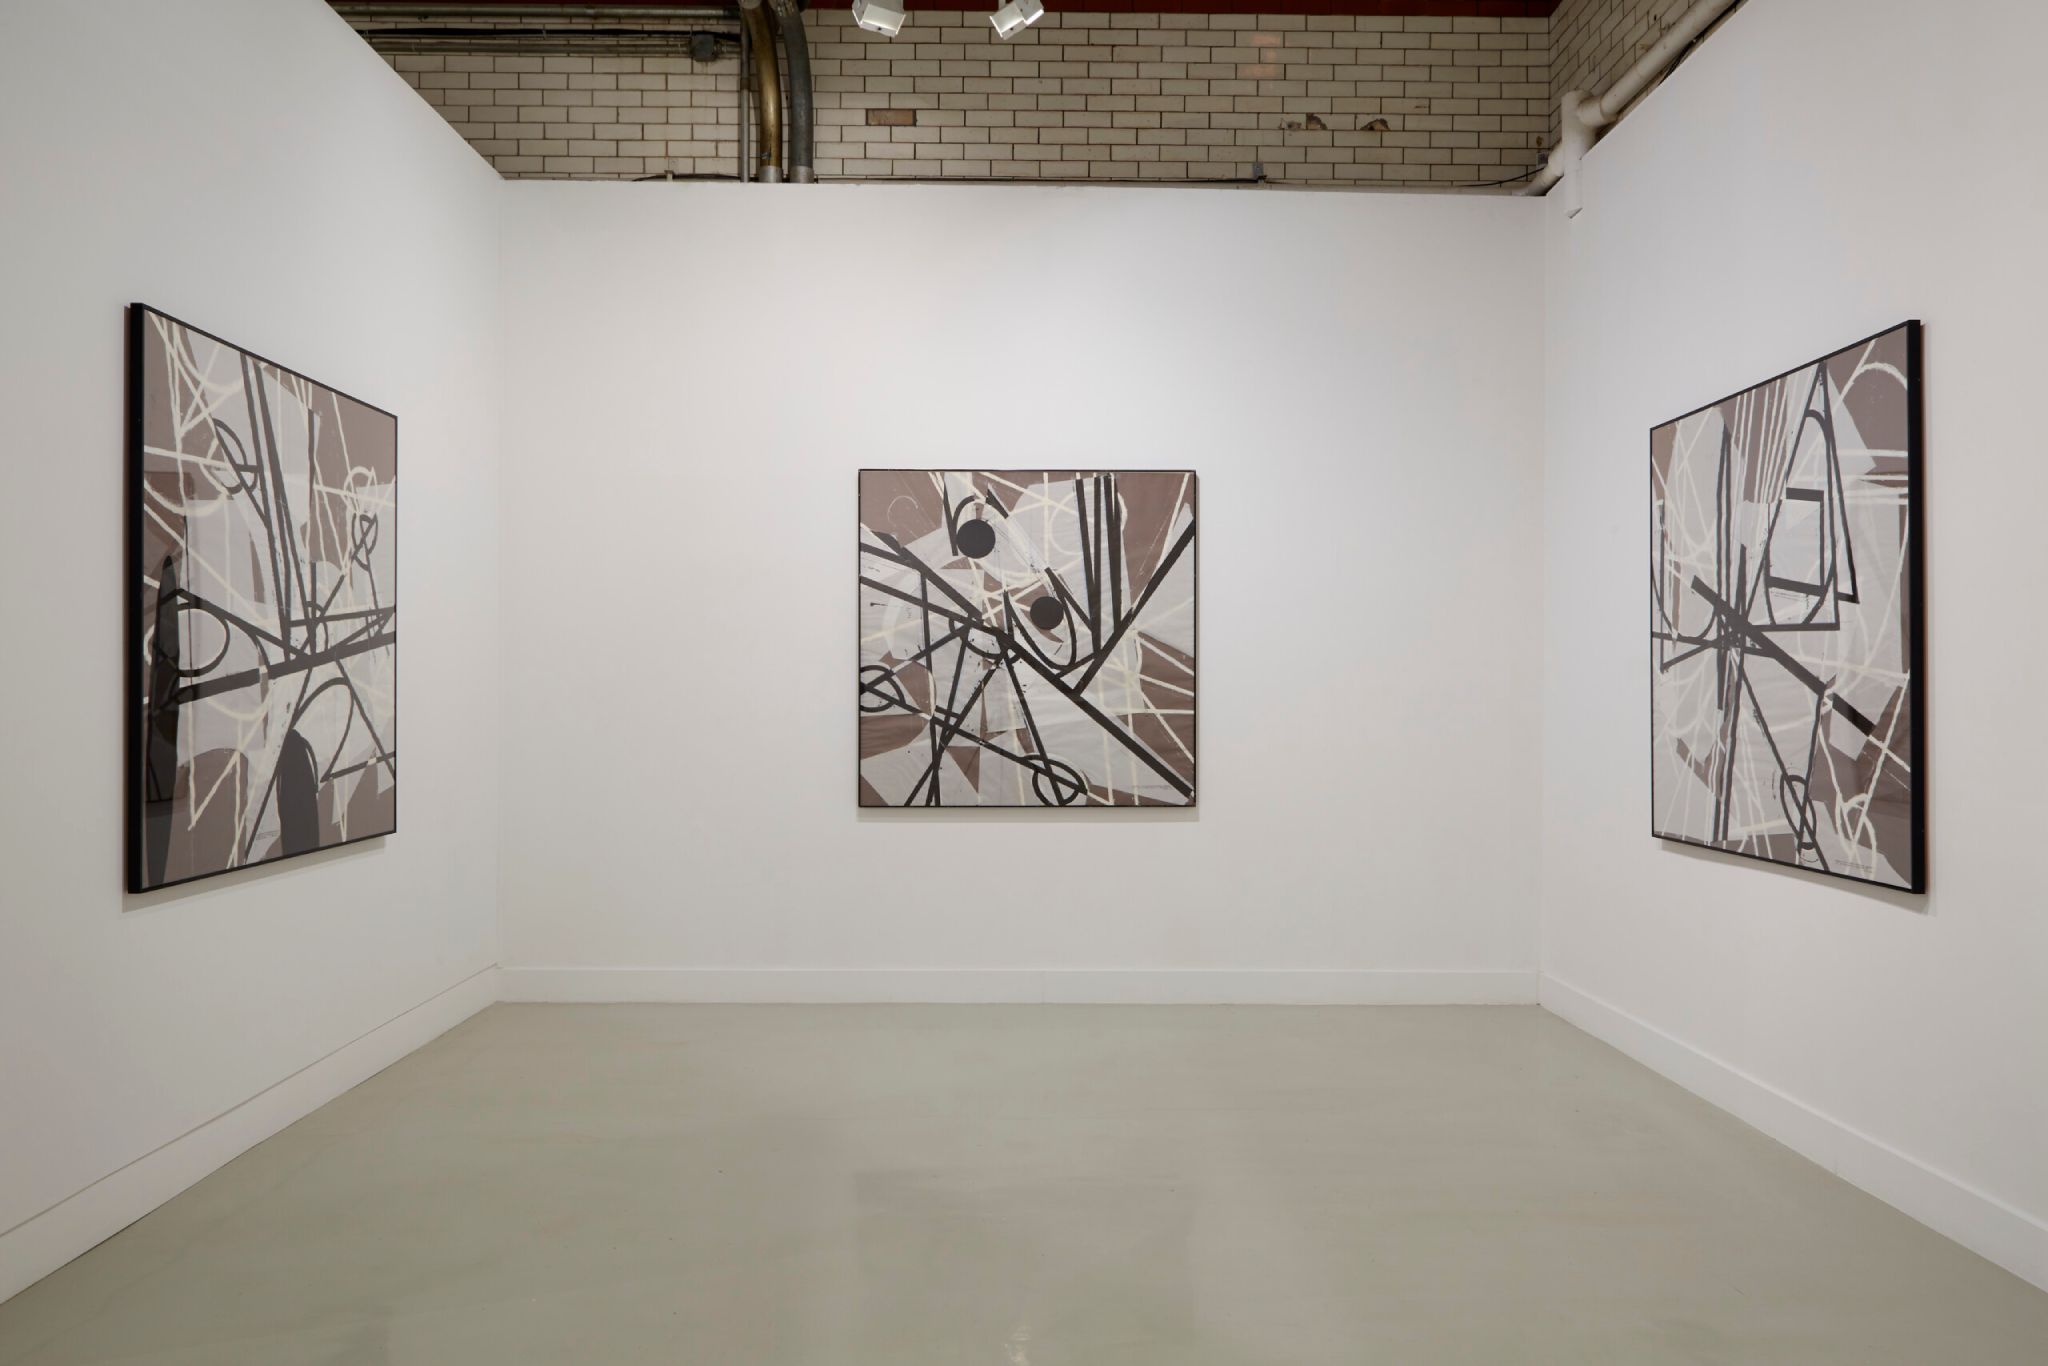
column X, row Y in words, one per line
column 1813, row 744
column 1089, row 583
column 215, row 609
column 1764, row 645
column 1074, row 604
column 230, row 682
column 389, row 760
column 1700, row 646
column 1763, row 726
column 941, row 643
column 358, row 541
column 935, row 798
column 330, row 618
column 1026, row 642
column 912, row 599
column 1087, row 708
column 1024, row 704
column 356, row 699
column 955, row 720
column 1725, row 800
column 1102, row 719
column 1113, row 534
column 907, row 556
column 931, row 729
column 379, row 619
column 1023, row 761
column 1138, row 608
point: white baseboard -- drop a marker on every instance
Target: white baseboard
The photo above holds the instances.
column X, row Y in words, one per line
column 1977, row 1219
column 33, row 1249
column 777, row 986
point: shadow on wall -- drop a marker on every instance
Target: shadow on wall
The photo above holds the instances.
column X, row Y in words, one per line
column 1919, row 903
column 302, row 865
column 1030, row 815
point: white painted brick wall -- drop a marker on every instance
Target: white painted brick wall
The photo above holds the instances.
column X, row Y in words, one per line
column 585, row 117
column 1327, row 100
column 1311, row 99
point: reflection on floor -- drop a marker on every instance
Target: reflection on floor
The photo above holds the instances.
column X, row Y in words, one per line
column 1027, row 1186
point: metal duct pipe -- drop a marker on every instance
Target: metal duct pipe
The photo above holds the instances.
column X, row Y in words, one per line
column 803, row 141
column 531, row 13
column 767, row 89
column 1582, row 116
column 612, row 42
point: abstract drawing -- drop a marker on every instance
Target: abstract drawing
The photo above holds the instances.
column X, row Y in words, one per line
column 1027, row 638
column 263, row 628
column 1785, row 626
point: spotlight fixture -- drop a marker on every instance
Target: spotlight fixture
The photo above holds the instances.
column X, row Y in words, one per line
column 876, row 17
column 1013, row 18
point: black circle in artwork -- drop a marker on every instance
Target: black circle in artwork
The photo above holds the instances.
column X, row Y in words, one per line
column 976, row 538
column 1046, row 613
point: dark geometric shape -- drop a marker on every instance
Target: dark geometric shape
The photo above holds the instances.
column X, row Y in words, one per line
column 298, row 796
column 1047, row 613
column 977, row 538
column 160, row 760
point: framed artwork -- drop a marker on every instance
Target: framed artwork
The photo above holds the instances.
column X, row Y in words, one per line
column 1027, row 638
column 262, row 635
column 1785, row 619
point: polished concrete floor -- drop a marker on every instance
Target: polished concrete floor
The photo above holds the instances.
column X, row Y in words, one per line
column 946, row 1186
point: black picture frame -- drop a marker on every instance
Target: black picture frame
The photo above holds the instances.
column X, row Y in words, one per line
column 1914, row 616
column 134, row 732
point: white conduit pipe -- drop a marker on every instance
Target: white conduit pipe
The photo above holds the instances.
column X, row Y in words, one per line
column 1582, row 116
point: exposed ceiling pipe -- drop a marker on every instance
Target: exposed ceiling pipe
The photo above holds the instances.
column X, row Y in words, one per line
column 789, row 19
column 699, row 44
column 767, row 90
column 531, row 13
column 1582, row 116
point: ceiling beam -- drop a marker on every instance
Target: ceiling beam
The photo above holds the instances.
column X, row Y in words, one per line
column 1494, row 9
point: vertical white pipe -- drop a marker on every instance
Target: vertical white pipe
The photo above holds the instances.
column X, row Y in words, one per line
column 1582, row 115
column 1575, row 139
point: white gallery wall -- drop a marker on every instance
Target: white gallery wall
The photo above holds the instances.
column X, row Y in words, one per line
column 1819, row 170
column 694, row 376
column 252, row 167
column 629, row 753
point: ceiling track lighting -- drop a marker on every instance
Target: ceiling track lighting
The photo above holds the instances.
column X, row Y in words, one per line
column 876, row 17
column 880, row 16
column 1013, row 18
